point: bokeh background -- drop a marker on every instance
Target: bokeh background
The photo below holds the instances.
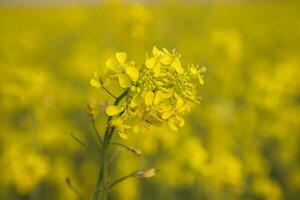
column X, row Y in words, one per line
column 241, row 142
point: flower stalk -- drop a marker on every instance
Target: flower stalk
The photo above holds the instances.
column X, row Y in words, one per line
column 161, row 90
column 100, row 191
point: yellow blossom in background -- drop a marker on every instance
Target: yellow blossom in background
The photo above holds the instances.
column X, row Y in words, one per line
column 239, row 141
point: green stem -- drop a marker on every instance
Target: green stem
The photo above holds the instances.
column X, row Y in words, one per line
column 96, row 131
column 103, row 169
column 104, row 172
column 100, row 190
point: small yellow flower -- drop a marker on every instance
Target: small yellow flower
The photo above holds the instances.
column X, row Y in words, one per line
column 174, row 114
column 173, row 60
column 117, row 63
column 98, row 82
column 126, row 72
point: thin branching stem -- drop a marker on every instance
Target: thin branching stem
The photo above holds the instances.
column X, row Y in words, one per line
column 119, row 180
column 121, row 145
column 77, row 139
column 131, row 149
column 96, row 131
column 72, row 188
column 106, row 90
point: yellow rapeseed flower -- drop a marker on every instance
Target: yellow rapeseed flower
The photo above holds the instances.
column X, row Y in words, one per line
column 161, row 90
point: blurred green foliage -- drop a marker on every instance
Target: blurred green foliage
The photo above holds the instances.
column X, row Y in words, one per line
column 242, row 141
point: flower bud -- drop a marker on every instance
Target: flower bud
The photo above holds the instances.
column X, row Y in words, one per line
column 146, row 173
column 136, row 151
column 90, row 109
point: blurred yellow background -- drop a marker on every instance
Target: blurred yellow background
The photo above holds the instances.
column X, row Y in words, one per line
column 241, row 142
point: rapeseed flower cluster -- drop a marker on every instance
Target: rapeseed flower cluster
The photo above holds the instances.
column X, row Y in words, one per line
column 160, row 90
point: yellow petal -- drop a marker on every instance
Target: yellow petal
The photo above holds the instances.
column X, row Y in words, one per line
column 133, row 88
column 166, row 95
column 111, row 64
column 121, row 57
column 180, row 121
column 164, row 107
column 135, row 101
column 117, row 121
column 97, row 74
column 166, row 59
column 132, row 72
column 107, row 82
column 155, row 51
column 201, row 81
column 150, row 63
column 113, row 110
column 184, row 108
column 161, row 95
column 156, row 68
column 95, row 83
column 124, row 81
column 123, row 134
column 172, row 124
column 149, row 98
column 177, row 66
column 167, row 114
column 193, row 70
column 158, row 97
column 179, row 103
